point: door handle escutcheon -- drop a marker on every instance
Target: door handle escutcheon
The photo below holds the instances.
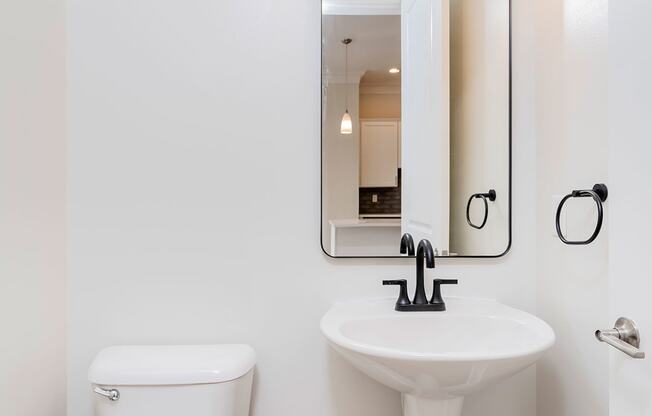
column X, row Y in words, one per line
column 624, row 337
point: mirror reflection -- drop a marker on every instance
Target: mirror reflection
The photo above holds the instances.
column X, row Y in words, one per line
column 415, row 126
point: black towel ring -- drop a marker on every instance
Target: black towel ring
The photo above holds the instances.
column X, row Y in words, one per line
column 492, row 197
column 599, row 194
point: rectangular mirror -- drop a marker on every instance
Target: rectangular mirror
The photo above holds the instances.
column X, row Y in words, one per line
column 416, row 126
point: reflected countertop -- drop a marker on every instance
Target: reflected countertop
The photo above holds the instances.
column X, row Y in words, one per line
column 367, row 222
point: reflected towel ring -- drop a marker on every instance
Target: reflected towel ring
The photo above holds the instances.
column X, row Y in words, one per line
column 599, row 194
column 492, row 197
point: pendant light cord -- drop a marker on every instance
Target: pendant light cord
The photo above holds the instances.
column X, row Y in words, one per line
column 346, row 73
column 346, row 77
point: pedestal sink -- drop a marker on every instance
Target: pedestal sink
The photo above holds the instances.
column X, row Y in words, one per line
column 434, row 359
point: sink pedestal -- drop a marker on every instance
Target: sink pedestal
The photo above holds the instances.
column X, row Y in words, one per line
column 423, row 406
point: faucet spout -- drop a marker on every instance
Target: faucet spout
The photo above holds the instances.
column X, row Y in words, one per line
column 424, row 250
column 407, row 244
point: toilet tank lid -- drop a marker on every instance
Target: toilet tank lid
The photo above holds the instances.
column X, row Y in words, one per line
column 171, row 364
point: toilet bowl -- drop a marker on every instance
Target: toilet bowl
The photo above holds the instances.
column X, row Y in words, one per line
column 189, row 380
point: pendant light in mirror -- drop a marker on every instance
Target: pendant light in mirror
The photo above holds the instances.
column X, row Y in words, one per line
column 347, row 125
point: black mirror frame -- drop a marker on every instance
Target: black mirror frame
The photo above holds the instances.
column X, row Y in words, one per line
column 321, row 164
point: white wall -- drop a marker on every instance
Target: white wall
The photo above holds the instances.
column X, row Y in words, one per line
column 32, row 208
column 194, row 201
column 569, row 61
column 383, row 104
column 479, row 123
column 341, row 157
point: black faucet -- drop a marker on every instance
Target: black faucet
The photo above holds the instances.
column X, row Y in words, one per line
column 420, row 301
column 407, row 244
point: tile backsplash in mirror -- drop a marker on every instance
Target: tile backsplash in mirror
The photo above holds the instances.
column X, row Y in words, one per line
column 388, row 200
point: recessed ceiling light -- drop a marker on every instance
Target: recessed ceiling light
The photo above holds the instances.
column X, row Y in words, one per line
column 394, row 70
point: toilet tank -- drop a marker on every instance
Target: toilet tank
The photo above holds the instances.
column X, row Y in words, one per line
column 174, row 380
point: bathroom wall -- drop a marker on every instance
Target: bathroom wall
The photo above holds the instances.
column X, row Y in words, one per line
column 374, row 104
column 479, row 144
column 570, row 78
column 171, row 101
column 340, row 157
column 32, row 208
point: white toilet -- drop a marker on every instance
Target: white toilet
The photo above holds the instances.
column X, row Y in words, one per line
column 188, row 380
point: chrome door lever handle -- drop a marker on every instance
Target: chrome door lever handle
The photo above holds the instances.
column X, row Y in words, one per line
column 624, row 337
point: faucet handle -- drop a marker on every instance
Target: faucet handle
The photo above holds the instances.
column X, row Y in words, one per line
column 436, row 291
column 403, row 298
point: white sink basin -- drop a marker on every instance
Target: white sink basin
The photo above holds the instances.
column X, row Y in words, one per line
column 434, row 359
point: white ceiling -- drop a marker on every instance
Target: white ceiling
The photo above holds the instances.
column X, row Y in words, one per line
column 376, row 45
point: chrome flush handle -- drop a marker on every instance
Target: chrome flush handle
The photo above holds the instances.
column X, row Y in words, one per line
column 624, row 337
column 113, row 394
